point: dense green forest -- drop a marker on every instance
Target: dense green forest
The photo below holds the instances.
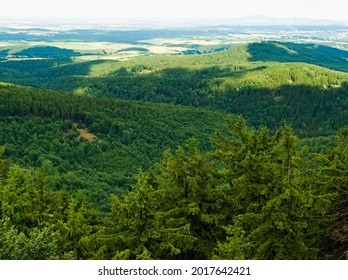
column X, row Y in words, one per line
column 265, row 82
column 94, row 144
column 137, row 160
column 254, row 195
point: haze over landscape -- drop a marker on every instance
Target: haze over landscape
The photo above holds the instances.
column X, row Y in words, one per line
column 169, row 10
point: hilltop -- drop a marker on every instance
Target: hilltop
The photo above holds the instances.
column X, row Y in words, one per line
column 267, row 82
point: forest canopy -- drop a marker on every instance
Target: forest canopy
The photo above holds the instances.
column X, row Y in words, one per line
column 253, row 195
column 235, row 154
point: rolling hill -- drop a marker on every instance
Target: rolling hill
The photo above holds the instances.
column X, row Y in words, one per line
column 84, row 132
column 94, row 144
column 266, row 82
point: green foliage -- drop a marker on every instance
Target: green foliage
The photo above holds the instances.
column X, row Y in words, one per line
column 254, row 195
column 80, row 230
column 190, row 195
column 265, row 82
column 333, row 177
column 45, row 130
column 273, row 205
column 292, row 52
column 142, row 229
column 262, row 81
column 40, row 244
column 40, row 224
column 19, row 201
column 46, row 52
column 24, row 233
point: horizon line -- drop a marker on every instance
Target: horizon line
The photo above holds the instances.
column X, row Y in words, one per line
column 172, row 19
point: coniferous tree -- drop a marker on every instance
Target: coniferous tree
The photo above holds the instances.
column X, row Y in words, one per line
column 333, row 178
column 140, row 229
column 273, row 207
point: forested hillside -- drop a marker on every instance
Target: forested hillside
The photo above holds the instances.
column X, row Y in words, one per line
column 253, row 196
column 94, row 144
column 265, row 82
column 135, row 159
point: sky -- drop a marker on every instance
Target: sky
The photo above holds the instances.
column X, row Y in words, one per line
column 173, row 9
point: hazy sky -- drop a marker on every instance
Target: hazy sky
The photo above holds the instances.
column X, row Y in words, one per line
column 174, row 9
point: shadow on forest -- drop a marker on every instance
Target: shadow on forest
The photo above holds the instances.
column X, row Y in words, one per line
column 291, row 52
column 74, row 69
column 174, row 85
column 313, row 110
column 59, row 74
